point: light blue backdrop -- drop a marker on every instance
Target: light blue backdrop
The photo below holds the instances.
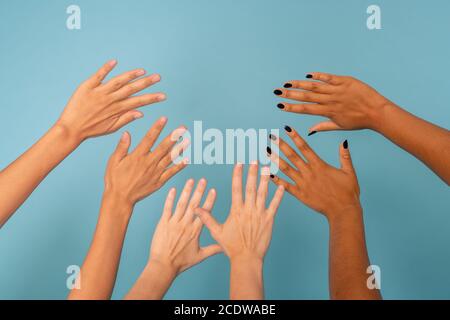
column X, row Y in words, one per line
column 220, row 61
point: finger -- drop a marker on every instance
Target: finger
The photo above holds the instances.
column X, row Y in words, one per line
column 195, row 199
column 301, row 144
column 139, row 101
column 176, row 151
column 281, row 182
column 276, row 200
column 125, row 119
column 305, row 96
column 316, row 87
column 119, row 81
column 285, row 167
column 184, row 199
column 325, row 126
column 345, row 158
column 306, row 108
column 208, row 220
column 173, row 170
column 325, row 77
column 236, row 185
column 263, row 188
column 210, row 199
column 168, row 205
column 136, row 86
column 289, row 152
column 208, row 206
column 151, row 136
column 209, row 251
column 252, row 179
column 122, row 147
column 167, row 144
column 96, row 79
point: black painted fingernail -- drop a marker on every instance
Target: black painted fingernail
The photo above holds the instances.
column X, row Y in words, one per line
column 309, row 76
column 278, row 92
column 272, row 176
column 311, row 133
column 287, row 128
column 269, row 151
column 288, row 85
column 272, row 137
column 280, row 106
column 345, row 144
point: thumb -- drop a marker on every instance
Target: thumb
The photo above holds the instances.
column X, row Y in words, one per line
column 208, row 220
column 122, row 147
column 324, row 126
column 209, row 251
column 346, row 159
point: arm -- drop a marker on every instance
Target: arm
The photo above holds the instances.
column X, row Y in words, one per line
column 175, row 245
column 348, row 257
column 246, row 234
column 94, row 109
column 334, row 193
column 351, row 104
column 129, row 178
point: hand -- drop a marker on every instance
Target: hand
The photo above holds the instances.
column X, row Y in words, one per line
column 318, row 185
column 97, row 109
column 133, row 176
column 349, row 103
column 175, row 244
column 247, row 231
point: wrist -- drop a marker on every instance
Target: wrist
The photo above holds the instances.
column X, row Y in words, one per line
column 116, row 206
column 162, row 267
column 69, row 135
column 350, row 214
column 382, row 115
column 247, row 259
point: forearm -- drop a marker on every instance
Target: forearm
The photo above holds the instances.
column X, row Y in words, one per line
column 21, row 177
column 426, row 141
column 348, row 257
column 153, row 283
column 99, row 270
column 246, row 279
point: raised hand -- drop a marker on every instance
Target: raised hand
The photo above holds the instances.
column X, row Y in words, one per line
column 175, row 245
column 129, row 178
column 335, row 193
column 245, row 236
column 351, row 104
column 98, row 108
column 134, row 176
column 320, row 186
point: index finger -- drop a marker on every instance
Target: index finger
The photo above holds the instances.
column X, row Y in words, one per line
column 151, row 136
column 97, row 78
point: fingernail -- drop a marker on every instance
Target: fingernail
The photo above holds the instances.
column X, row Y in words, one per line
column 113, row 62
column 138, row 115
column 287, row 128
column 272, row 137
column 278, row 92
column 269, row 151
column 140, row 72
column 345, row 144
column 272, row 176
column 311, row 133
column 309, row 76
column 162, row 97
column 280, row 106
column 254, row 162
column 124, row 136
column 265, row 171
column 288, row 85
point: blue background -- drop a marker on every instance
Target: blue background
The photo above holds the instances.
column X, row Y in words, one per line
column 220, row 61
